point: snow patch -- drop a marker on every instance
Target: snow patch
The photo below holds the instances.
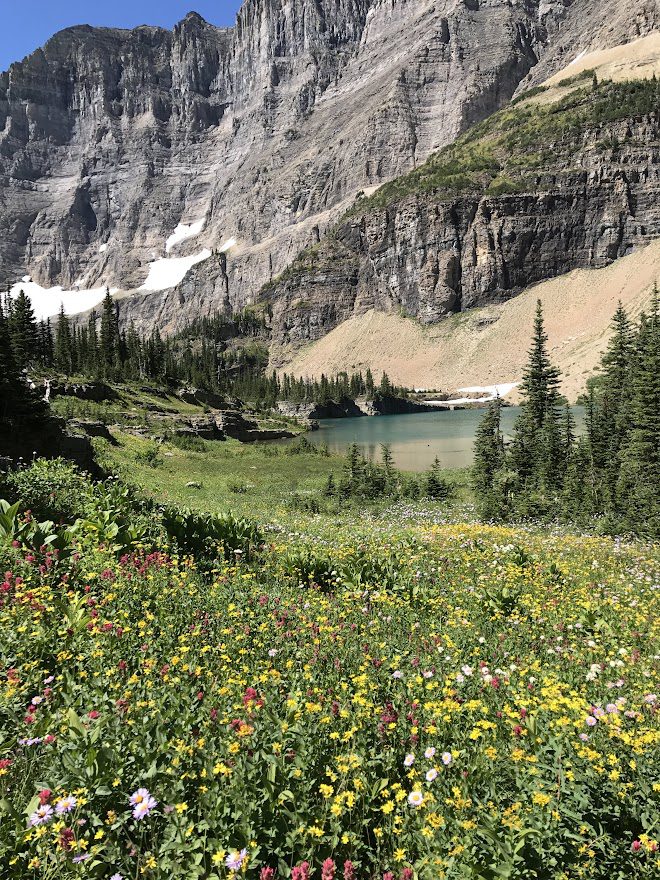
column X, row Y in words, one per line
column 228, row 244
column 103, row 248
column 169, row 271
column 492, row 390
column 183, row 232
column 47, row 301
column 578, row 58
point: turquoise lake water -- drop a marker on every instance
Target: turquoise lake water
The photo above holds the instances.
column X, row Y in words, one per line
column 417, row 439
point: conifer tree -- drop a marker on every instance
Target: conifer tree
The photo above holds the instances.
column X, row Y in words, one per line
column 108, row 342
column 638, row 488
column 23, row 332
column 63, row 344
column 488, row 461
column 537, row 459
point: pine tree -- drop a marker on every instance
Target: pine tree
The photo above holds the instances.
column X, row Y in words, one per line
column 21, row 406
column 435, row 484
column 23, row 332
column 537, row 457
column 63, row 344
column 108, row 342
column 540, row 385
column 488, row 461
column 638, row 489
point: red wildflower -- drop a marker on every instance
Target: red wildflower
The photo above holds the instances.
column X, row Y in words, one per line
column 66, row 838
column 328, row 870
column 349, row 870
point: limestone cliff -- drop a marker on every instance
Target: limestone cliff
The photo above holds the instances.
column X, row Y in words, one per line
column 532, row 194
column 263, row 133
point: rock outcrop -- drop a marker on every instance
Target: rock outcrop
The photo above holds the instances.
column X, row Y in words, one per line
column 429, row 255
column 262, row 133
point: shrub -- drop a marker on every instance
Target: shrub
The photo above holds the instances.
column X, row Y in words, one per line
column 207, row 536
column 52, row 489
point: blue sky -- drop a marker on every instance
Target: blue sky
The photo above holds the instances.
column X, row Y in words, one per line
column 27, row 24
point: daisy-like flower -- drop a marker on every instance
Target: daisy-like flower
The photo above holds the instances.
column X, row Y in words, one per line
column 409, row 760
column 590, row 721
column 429, row 753
column 447, row 758
column 116, row 877
column 467, row 670
column 41, row 815
column 415, row 798
column 235, row 859
column 65, row 805
column 397, row 674
column 143, row 803
column 431, row 774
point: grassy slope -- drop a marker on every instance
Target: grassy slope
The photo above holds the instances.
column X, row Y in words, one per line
column 502, row 153
column 271, row 474
column 270, row 478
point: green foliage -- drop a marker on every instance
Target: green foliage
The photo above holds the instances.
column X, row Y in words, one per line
column 52, row 489
column 497, row 155
column 210, row 538
column 612, row 473
column 187, row 442
column 150, row 456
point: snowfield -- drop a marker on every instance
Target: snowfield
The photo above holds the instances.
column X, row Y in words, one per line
column 169, row 271
column 183, row 232
column 492, row 390
column 46, row 302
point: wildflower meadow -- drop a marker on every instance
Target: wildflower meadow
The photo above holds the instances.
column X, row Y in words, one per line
column 376, row 700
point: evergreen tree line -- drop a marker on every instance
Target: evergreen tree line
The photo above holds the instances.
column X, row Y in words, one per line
column 612, row 470
column 206, row 354
column 361, row 479
column 21, row 404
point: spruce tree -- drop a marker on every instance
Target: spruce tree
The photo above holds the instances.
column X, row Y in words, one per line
column 488, row 461
column 537, row 457
column 540, row 385
column 63, row 344
column 23, row 332
column 638, row 488
column 108, row 342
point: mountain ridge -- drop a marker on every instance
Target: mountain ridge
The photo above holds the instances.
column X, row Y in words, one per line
column 260, row 135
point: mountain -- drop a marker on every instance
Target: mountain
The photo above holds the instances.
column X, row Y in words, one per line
column 188, row 169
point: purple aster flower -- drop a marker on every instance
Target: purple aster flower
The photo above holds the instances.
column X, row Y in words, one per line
column 65, row 805
column 447, row 758
column 143, row 803
column 41, row 815
column 82, row 858
column 234, row 860
column 590, row 721
column 116, row 877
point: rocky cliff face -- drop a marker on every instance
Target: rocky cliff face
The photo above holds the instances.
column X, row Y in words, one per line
column 428, row 255
column 265, row 132
column 262, row 135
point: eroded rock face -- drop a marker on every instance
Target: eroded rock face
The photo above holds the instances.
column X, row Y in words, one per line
column 265, row 131
column 429, row 258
